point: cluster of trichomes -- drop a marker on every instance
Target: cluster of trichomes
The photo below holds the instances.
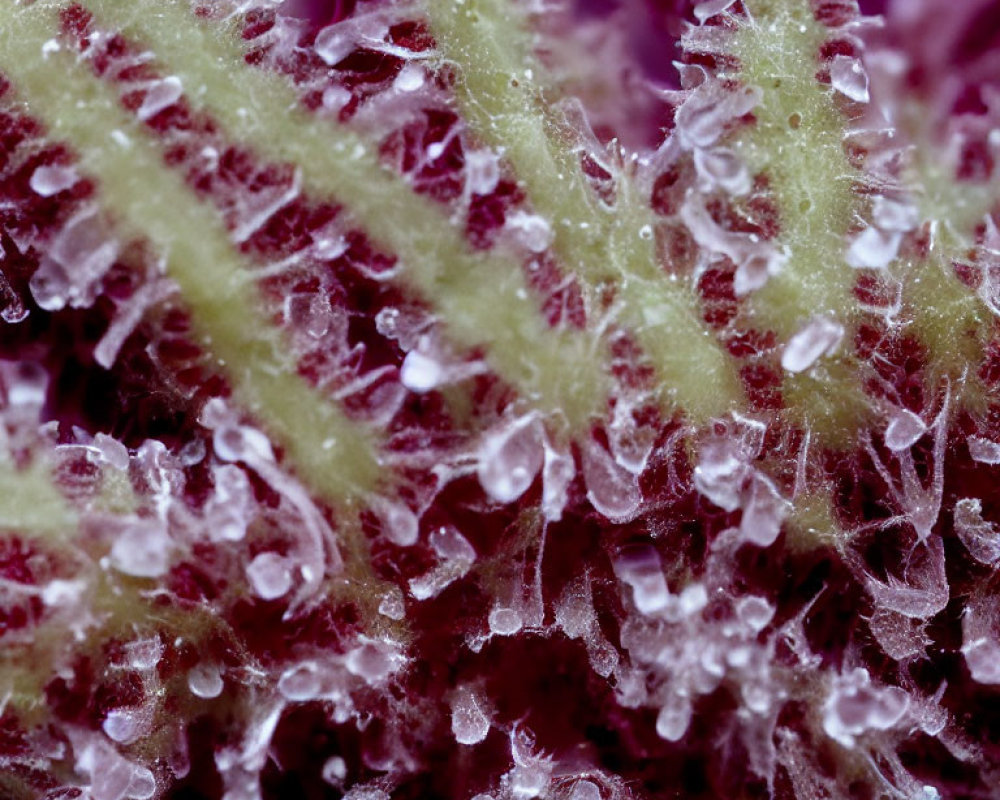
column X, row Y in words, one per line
column 418, row 399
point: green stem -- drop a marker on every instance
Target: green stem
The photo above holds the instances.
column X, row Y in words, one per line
column 31, row 505
column 482, row 298
column 505, row 105
column 797, row 142
column 333, row 453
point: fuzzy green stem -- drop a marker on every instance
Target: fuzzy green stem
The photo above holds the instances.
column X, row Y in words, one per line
column 481, row 297
column 31, row 505
column 797, row 141
column 333, row 454
column 505, row 105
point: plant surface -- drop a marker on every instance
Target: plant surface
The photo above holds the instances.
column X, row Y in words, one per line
column 457, row 399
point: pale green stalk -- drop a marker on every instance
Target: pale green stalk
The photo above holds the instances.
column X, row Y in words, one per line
column 798, row 142
column 502, row 98
column 31, row 504
column 481, row 297
column 335, row 455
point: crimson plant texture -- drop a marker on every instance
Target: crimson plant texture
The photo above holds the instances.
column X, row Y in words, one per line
column 495, row 400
